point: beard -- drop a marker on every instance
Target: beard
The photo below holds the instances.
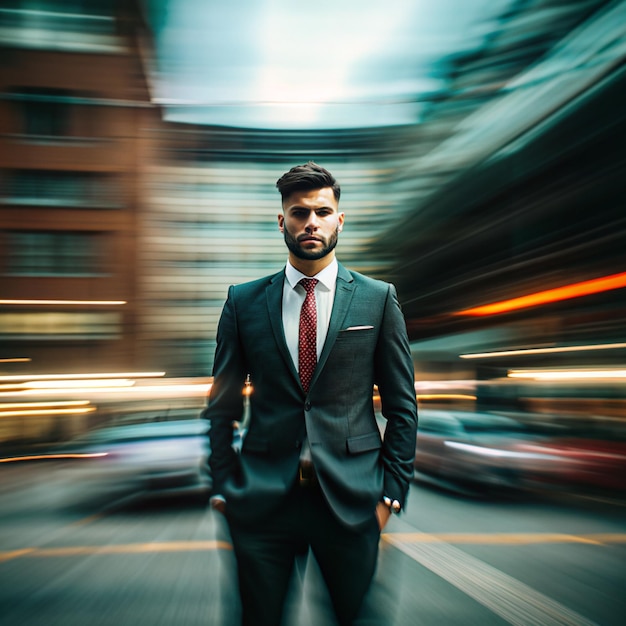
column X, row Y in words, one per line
column 293, row 245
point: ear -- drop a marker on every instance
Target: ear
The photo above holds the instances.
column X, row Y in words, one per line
column 341, row 217
column 281, row 222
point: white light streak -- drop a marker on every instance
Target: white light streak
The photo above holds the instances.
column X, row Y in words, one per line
column 565, row 375
column 97, row 375
column 525, row 351
column 63, row 302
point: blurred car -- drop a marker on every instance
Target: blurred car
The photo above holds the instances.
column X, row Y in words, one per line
column 487, row 452
column 477, row 451
column 584, row 463
column 144, row 456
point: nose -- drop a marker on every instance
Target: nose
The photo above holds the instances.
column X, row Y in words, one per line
column 311, row 224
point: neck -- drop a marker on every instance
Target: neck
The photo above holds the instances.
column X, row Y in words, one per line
column 311, row 267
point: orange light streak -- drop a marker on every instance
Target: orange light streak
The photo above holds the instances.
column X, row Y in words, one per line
column 38, row 457
column 445, row 396
column 567, row 292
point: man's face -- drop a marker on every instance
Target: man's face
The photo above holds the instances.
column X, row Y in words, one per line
column 311, row 223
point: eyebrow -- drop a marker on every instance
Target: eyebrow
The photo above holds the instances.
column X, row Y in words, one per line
column 297, row 207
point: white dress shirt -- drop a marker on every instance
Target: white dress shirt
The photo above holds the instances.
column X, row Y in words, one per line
column 293, row 297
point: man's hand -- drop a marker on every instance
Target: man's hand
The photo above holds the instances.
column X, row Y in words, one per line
column 218, row 504
column 383, row 513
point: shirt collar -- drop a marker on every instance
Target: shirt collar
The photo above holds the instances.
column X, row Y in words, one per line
column 328, row 276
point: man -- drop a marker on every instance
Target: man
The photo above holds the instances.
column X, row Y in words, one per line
column 313, row 471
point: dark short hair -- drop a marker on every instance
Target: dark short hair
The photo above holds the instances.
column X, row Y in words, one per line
column 306, row 178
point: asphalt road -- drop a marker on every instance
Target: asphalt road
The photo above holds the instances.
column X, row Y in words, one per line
column 68, row 559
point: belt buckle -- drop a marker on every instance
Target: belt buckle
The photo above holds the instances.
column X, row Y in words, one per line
column 304, row 476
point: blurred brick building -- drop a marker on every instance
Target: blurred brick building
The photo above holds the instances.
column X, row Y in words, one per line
column 74, row 114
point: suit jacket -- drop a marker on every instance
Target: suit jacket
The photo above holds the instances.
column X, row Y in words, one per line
column 366, row 344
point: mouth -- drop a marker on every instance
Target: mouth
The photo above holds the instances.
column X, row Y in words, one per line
column 309, row 239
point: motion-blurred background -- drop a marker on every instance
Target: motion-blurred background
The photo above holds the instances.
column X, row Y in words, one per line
column 480, row 149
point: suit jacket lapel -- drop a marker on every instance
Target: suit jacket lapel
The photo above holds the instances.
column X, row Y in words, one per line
column 274, row 293
column 341, row 304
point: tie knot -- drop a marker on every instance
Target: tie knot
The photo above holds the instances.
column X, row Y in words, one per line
column 309, row 284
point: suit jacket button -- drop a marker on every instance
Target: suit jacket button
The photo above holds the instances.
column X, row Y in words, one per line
column 307, row 406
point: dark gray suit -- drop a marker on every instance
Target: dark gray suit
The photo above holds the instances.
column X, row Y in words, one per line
column 366, row 344
column 272, row 516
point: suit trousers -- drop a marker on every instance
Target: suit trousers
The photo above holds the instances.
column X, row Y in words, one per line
column 266, row 553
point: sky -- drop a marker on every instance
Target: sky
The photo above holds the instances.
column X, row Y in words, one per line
column 277, row 64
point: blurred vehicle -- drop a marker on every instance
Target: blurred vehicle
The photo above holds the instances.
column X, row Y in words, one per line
column 144, row 456
column 584, row 463
column 487, row 452
column 472, row 450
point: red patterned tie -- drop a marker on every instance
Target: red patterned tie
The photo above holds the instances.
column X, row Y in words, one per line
column 307, row 336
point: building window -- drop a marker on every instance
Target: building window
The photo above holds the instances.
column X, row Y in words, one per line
column 44, row 112
column 54, row 254
column 54, row 116
column 56, row 325
column 37, row 17
column 61, row 189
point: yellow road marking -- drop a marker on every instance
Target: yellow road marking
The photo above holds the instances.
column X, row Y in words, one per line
column 507, row 538
column 14, row 554
column 137, row 548
column 512, row 539
column 87, row 520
